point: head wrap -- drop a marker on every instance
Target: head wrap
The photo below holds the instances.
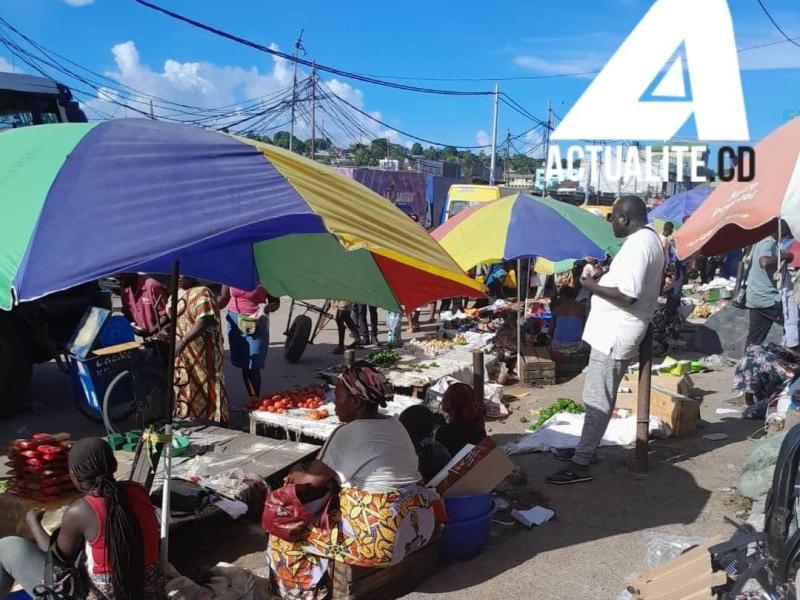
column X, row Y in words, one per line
column 367, row 384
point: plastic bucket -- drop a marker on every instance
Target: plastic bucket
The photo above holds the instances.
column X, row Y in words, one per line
column 19, row 595
column 466, row 508
column 461, row 541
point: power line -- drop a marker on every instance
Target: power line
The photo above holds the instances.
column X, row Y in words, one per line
column 778, row 27
column 306, row 62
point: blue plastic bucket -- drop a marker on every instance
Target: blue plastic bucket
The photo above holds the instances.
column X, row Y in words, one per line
column 19, row 595
column 465, row 539
column 466, row 508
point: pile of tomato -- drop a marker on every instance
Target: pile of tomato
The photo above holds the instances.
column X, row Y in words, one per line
column 311, row 397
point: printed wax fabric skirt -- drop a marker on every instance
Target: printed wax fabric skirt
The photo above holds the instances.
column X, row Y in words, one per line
column 368, row 530
column 764, row 371
column 248, row 351
column 155, row 585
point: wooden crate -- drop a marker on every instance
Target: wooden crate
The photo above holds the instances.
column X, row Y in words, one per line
column 387, row 583
column 537, row 366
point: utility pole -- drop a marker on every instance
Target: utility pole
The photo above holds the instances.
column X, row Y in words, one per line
column 152, row 116
column 297, row 45
column 506, row 167
column 548, row 125
column 313, row 110
column 493, row 162
column 588, row 179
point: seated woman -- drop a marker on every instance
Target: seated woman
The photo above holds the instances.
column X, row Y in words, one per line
column 764, row 371
column 433, row 456
column 115, row 523
column 566, row 327
column 465, row 423
column 384, row 514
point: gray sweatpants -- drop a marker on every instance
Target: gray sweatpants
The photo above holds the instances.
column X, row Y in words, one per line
column 603, row 376
column 21, row 561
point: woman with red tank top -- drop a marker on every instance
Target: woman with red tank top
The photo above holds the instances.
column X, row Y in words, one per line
column 115, row 523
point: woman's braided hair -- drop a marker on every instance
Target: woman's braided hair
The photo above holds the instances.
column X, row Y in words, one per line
column 92, row 463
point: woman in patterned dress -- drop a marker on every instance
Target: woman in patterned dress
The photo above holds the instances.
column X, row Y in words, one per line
column 383, row 513
column 200, row 393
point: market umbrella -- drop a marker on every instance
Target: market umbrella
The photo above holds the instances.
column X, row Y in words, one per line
column 738, row 214
column 523, row 226
column 680, row 207
column 82, row 201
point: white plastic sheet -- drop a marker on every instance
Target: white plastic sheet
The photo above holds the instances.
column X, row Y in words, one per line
column 564, row 431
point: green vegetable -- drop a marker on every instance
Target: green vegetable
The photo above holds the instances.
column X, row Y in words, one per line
column 563, row 405
column 383, row 358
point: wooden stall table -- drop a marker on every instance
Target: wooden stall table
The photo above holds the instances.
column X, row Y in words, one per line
column 218, row 451
column 293, row 423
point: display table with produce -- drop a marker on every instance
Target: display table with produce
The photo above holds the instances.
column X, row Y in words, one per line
column 418, row 365
column 314, row 423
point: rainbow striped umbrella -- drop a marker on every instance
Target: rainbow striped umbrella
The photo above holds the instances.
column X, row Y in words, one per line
column 523, row 226
column 83, row 201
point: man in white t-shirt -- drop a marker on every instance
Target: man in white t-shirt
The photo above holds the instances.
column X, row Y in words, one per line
column 623, row 303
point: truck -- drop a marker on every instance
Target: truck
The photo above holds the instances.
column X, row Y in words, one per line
column 463, row 196
column 36, row 332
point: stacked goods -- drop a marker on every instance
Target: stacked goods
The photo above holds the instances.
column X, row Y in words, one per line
column 310, row 398
column 428, row 347
column 40, row 467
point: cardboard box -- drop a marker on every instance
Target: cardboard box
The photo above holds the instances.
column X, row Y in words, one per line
column 477, row 469
column 683, row 385
column 680, row 413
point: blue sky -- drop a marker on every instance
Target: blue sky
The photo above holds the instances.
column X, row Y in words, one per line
column 436, row 39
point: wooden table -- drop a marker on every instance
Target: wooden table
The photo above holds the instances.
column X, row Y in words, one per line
column 225, row 449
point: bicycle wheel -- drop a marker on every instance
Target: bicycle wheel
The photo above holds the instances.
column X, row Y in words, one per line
column 133, row 400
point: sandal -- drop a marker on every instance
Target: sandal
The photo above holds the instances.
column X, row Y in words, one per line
column 568, row 477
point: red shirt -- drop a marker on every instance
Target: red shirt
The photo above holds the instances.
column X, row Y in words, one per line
column 141, row 506
column 246, row 303
column 145, row 302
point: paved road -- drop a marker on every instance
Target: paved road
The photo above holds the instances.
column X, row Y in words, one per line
column 52, row 407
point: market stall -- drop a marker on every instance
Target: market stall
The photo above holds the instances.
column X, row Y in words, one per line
column 298, row 422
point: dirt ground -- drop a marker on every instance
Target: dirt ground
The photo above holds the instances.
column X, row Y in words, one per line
column 597, row 537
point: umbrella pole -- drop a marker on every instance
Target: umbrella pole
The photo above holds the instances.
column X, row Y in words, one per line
column 165, row 487
column 519, row 320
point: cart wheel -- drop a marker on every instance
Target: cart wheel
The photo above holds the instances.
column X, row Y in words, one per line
column 297, row 338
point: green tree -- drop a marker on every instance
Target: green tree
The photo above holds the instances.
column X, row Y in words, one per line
column 282, row 139
column 416, row 149
column 361, row 156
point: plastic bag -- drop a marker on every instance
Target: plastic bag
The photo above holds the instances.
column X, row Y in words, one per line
column 662, row 548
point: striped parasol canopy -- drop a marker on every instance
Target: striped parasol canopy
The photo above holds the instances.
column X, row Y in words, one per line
column 81, row 201
column 523, row 226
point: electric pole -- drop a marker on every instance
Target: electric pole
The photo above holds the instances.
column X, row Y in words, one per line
column 506, row 167
column 297, row 45
column 152, row 116
column 313, row 110
column 547, row 128
column 493, row 161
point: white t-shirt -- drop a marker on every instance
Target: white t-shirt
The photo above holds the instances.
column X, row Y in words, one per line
column 373, row 455
column 637, row 271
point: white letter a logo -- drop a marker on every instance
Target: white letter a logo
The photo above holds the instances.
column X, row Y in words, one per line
column 680, row 59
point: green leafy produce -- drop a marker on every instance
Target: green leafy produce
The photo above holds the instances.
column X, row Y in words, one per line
column 383, row 358
column 562, row 405
column 420, row 367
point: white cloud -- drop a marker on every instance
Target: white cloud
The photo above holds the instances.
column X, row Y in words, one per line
column 7, row 67
column 482, row 138
column 578, row 62
column 78, row 2
column 208, row 85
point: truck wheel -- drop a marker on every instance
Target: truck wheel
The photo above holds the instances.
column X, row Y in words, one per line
column 297, row 338
column 16, row 367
